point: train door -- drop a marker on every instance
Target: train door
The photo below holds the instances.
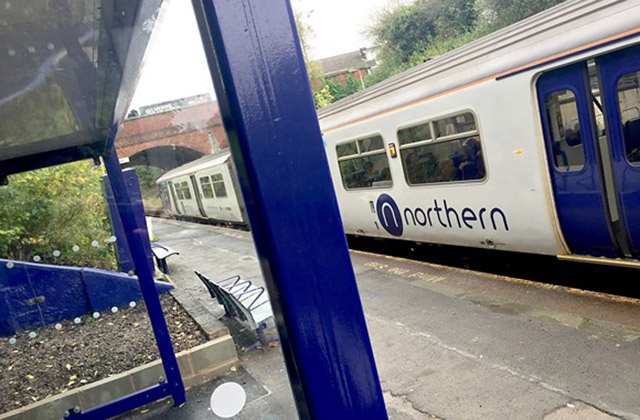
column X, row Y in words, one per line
column 198, row 195
column 595, row 178
column 620, row 86
column 174, row 196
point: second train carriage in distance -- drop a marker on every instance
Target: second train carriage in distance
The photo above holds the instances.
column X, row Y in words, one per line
column 525, row 140
column 206, row 188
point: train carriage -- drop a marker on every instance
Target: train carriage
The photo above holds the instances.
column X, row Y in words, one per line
column 525, row 140
column 204, row 189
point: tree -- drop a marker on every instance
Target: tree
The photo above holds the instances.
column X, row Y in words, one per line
column 409, row 34
column 54, row 209
column 500, row 13
column 400, row 31
column 314, row 71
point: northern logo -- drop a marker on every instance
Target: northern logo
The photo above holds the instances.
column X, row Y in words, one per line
column 440, row 215
column 389, row 215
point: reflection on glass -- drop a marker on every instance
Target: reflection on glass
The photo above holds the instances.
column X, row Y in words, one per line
column 414, row 134
column 564, row 130
column 368, row 168
column 218, row 185
column 445, row 161
column 457, row 157
column 461, row 123
column 629, row 102
column 347, row 149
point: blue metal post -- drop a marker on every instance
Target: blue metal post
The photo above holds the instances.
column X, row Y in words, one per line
column 262, row 87
column 140, row 250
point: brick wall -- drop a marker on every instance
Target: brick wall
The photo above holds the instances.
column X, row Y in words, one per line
column 186, row 127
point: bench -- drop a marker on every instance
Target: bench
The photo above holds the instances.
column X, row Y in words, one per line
column 160, row 254
column 241, row 300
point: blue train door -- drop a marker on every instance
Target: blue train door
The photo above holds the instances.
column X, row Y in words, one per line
column 620, row 86
column 575, row 161
column 591, row 121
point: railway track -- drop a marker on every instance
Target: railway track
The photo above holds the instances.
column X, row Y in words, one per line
column 619, row 281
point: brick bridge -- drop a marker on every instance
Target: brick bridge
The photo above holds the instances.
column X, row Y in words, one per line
column 172, row 138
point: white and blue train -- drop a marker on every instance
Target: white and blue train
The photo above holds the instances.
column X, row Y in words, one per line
column 526, row 140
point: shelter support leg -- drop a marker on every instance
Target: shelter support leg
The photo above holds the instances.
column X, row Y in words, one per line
column 262, row 87
column 139, row 246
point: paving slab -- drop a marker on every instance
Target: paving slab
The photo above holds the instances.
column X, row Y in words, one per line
column 453, row 344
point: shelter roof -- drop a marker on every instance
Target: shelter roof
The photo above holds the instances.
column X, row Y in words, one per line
column 68, row 68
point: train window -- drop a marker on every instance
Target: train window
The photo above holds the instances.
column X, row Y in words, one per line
column 182, row 191
column 178, row 192
column 414, row 134
column 218, row 185
column 564, row 129
column 364, row 164
column 370, row 144
column 457, row 124
column 207, row 189
column 453, row 154
column 347, row 149
column 629, row 102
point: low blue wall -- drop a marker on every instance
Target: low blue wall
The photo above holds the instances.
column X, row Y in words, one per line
column 33, row 295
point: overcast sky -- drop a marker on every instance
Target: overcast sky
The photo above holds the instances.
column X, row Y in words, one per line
column 175, row 66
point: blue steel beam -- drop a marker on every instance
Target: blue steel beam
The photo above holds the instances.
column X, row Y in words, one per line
column 137, row 239
column 122, row 405
column 262, row 87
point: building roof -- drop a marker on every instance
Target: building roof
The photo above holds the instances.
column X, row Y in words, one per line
column 344, row 62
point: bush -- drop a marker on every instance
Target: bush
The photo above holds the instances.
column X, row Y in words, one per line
column 55, row 209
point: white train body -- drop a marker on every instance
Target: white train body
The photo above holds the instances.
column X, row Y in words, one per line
column 513, row 204
column 205, row 189
column 525, row 140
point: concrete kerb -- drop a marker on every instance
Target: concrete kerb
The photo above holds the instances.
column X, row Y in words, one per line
column 197, row 365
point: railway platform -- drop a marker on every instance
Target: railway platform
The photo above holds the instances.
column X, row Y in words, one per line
column 449, row 344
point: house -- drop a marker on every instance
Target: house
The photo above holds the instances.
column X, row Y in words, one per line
column 357, row 63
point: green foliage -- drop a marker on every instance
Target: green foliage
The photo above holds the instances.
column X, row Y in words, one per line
column 322, row 97
column 54, row 209
column 338, row 90
column 147, row 177
column 314, row 70
column 500, row 13
column 409, row 34
column 400, row 31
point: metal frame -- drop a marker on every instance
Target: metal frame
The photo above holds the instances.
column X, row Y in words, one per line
column 261, row 83
column 140, row 250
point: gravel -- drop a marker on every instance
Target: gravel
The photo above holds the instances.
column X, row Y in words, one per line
column 58, row 360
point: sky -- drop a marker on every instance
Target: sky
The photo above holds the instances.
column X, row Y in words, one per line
column 175, row 66
column 338, row 25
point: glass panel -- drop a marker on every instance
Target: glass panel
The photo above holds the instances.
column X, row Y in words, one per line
column 218, row 185
column 207, row 190
column 414, row 134
column 367, row 172
column 371, row 144
column 185, row 190
column 446, row 161
column 347, row 149
column 456, row 124
column 178, row 192
column 564, row 129
column 629, row 102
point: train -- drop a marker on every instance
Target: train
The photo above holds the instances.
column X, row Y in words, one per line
column 525, row 140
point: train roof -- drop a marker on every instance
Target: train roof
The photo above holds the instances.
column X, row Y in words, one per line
column 205, row 162
column 569, row 27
